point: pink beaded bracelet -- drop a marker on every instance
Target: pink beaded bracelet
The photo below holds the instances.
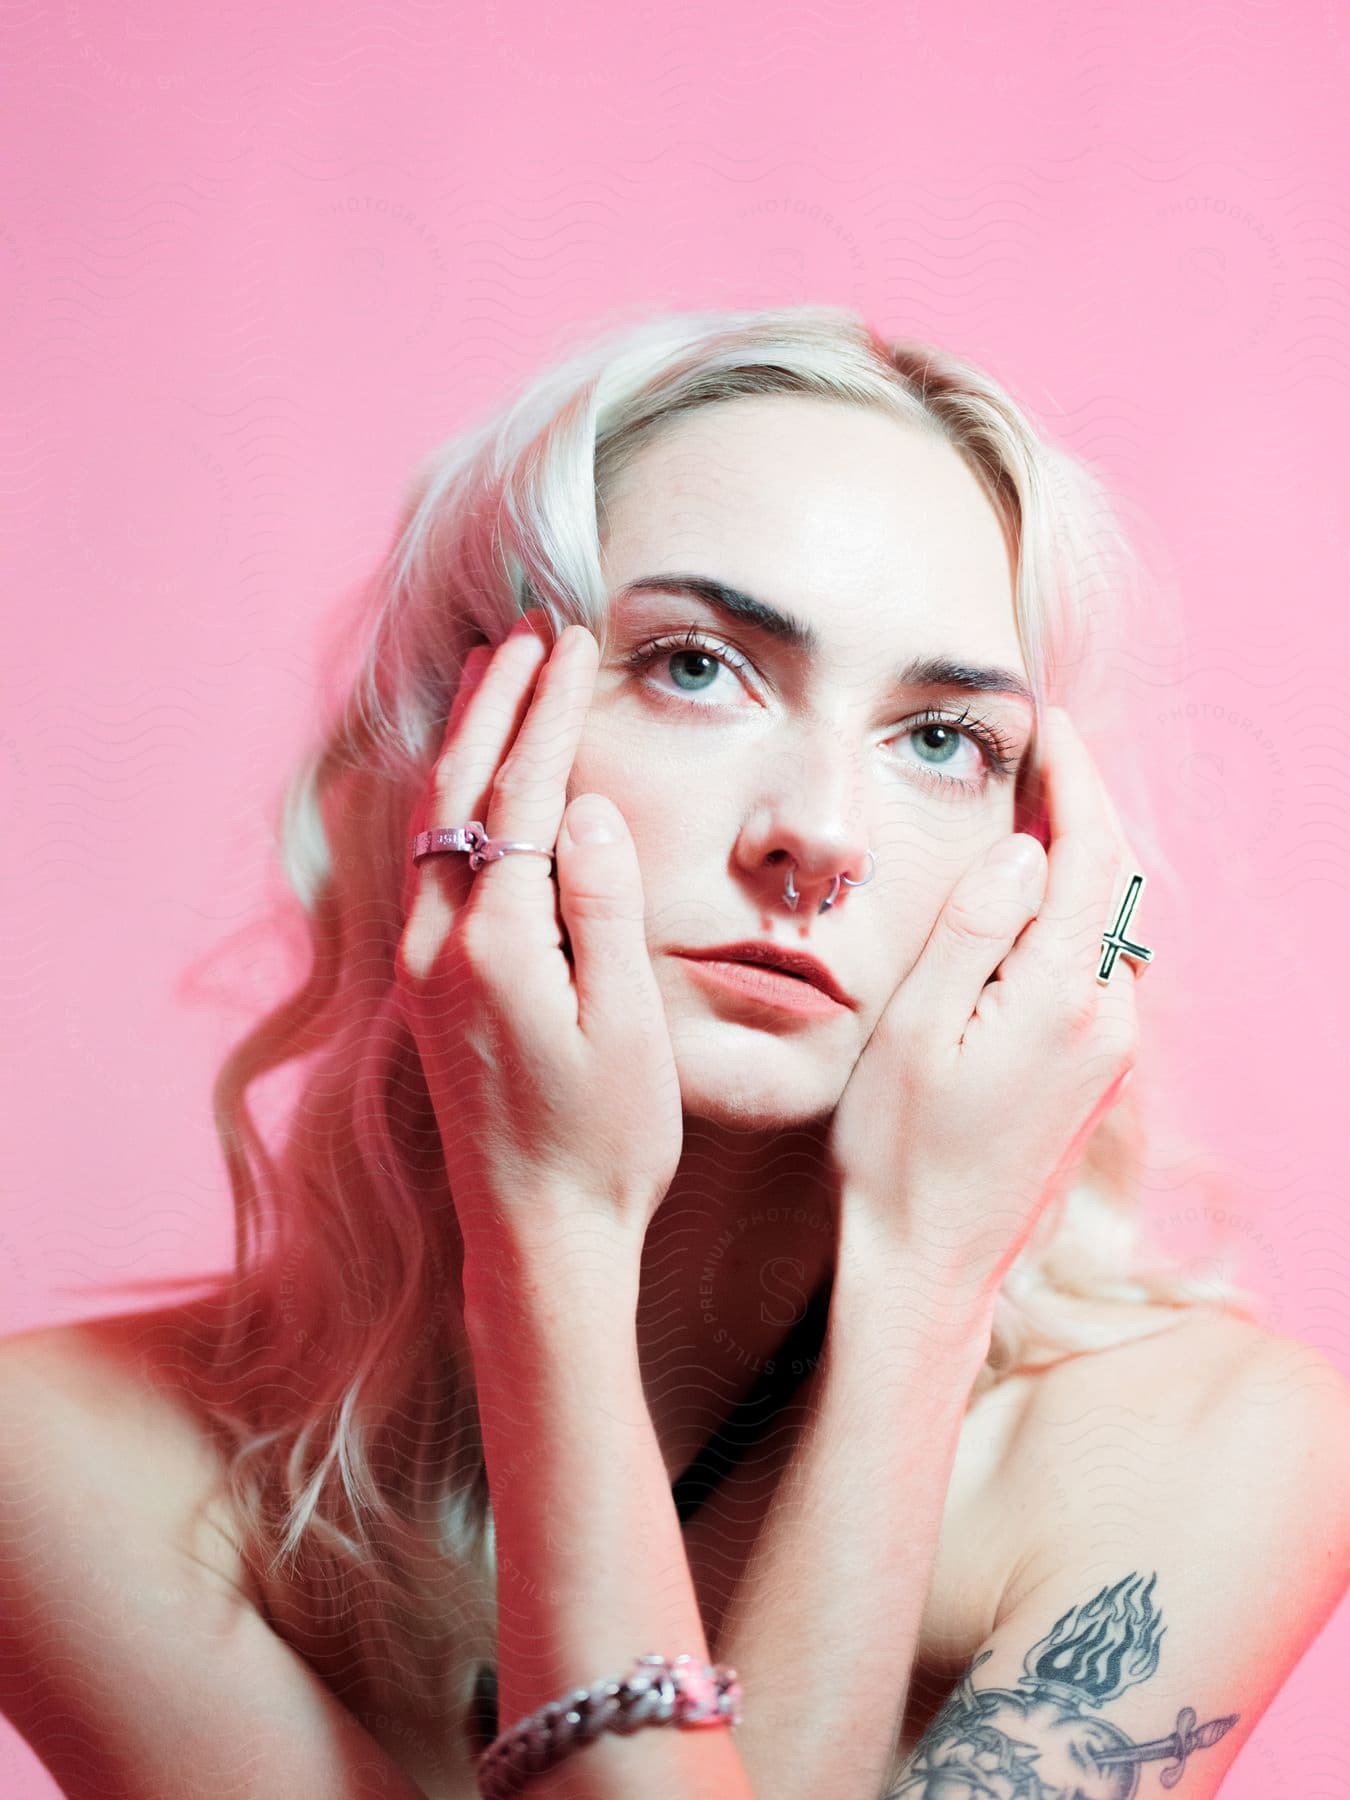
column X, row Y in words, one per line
column 655, row 1691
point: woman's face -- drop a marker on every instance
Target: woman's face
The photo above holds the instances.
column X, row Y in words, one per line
column 739, row 749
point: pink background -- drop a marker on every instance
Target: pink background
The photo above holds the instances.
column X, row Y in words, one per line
column 254, row 263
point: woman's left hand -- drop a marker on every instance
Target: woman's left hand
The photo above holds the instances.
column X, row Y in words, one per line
column 974, row 1095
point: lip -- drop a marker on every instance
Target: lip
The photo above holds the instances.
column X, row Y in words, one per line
column 761, row 968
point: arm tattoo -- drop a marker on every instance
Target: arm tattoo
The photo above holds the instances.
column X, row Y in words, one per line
column 1043, row 1739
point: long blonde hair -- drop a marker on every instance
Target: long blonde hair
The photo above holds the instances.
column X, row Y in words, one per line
column 341, row 1383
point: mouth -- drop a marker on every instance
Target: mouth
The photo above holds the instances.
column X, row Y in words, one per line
column 774, row 972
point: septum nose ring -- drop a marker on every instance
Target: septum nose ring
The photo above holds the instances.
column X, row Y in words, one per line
column 792, row 896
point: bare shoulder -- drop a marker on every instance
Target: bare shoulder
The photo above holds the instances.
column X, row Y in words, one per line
column 1177, row 1363
column 1204, row 1390
column 117, row 1402
column 131, row 1660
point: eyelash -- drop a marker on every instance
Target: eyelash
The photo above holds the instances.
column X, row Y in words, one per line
column 998, row 752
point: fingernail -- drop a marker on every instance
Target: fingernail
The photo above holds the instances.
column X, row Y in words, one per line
column 589, row 821
column 1017, row 854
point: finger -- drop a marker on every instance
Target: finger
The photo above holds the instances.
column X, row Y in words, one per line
column 529, row 793
column 1117, row 1004
column 482, row 726
column 475, row 667
column 1058, row 960
column 1117, row 990
column 427, row 811
column 482, row 723
column 1061, row 950
column 481, row 730
column 601, row 900
column 1129, row 866
column 983, row 915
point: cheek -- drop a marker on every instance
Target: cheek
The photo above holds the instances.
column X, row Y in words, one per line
column 647, row 789
column 682, row 819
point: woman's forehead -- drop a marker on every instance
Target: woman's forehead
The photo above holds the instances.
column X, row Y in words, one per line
column 840, row 516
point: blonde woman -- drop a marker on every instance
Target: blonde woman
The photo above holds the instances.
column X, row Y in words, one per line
column 702, row 1222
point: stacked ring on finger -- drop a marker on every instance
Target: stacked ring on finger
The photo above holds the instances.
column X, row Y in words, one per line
column 473, row 839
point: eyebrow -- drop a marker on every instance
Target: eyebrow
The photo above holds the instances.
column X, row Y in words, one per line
column 745, row 609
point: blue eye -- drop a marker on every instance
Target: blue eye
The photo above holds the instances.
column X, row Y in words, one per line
column 704, row 656
column 695, row 647
column 688, row 646
column 946, row 751
column 999, row 756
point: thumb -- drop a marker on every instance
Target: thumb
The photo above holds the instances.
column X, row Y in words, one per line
column 981, row 920
column 601, row 902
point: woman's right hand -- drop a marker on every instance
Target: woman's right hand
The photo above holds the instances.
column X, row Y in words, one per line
column 553, row 1082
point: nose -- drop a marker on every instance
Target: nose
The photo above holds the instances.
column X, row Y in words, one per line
column 808, row 837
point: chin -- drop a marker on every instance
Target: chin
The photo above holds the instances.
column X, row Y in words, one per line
column 738, row 1078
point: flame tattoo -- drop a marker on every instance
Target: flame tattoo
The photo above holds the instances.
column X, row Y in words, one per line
column 1043, row 1740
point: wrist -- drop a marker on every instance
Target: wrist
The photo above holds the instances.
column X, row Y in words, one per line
column 577, row 1274
column 916, row 1287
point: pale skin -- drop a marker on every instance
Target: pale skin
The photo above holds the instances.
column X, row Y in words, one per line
column 619, row 1130
column 611, row 1118
column 770, row 491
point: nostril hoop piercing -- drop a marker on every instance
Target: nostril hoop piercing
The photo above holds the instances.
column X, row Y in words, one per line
column 792, row 896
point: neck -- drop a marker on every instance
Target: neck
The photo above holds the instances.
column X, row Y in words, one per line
column 741, row 1242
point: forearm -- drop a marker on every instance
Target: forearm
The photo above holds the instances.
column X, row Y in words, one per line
column 824, row 1625
column 591, row 1565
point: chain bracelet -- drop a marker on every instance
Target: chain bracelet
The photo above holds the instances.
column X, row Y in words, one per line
column 655, row 1691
